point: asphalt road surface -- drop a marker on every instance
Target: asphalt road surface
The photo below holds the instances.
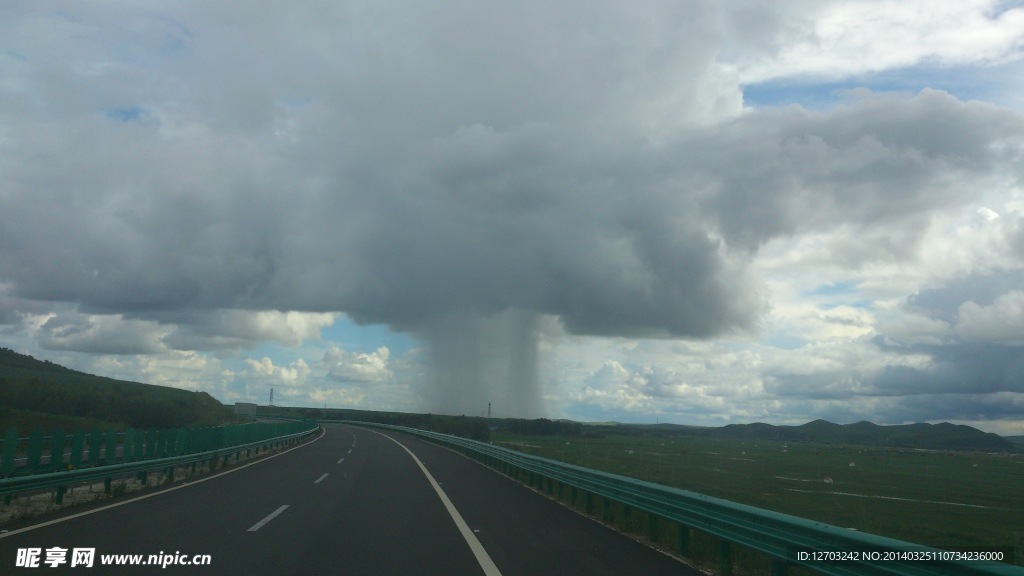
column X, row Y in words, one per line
column 355, row 501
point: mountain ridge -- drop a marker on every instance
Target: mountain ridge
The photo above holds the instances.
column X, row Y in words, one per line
column 941, row 436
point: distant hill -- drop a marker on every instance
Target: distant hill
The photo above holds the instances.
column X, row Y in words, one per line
column 944, row 436
column 40, row 393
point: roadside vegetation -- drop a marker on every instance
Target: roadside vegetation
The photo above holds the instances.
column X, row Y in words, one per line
column 40, row 394
column 932, row 497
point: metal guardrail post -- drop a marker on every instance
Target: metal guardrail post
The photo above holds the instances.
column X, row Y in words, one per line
column 10, row 451
column 684, row 539
column 186, row 439
column 35, row 450
column 150, row 452
column 652, row 527
column 218, row 438
column 725, row 558
column 95, row 441
column 128, row 446
column 110, row 450
column 139, row 445
column 77, row 448
column 7, row 461
column 57, row 442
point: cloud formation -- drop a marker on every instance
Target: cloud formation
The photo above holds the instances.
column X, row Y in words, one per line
column 354, row 367
column 495, row 179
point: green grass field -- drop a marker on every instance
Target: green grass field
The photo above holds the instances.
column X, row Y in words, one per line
column 926, row 497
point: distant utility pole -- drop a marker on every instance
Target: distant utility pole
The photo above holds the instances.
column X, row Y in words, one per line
column 271, row 396
column 488, row 409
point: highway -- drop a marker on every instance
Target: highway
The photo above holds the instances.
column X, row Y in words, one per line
column 354, row 501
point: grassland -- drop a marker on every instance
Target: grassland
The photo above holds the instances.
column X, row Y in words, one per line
column 941, row 499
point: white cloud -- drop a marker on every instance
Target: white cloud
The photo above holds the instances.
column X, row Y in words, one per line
column 844, row 39
column 909, row 328
column 265, row 371
column 188, row 370
column 613, row 387
column 238, row 329
column 67, row 329
column 338, row 397
column 357, row 367
column 1001, row 322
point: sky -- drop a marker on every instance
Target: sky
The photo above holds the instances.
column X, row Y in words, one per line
column 679, row 211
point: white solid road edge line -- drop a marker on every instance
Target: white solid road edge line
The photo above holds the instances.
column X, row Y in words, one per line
column 269, row 517
column 161, row 492
column 490, row 569
column 321, row 479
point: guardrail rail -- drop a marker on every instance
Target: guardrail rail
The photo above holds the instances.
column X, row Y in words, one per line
column 98, row 455
column 778, row 536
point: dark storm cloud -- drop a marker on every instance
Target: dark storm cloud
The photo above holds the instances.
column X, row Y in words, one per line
column 963, row 382
column 878, row 163
column 98, row 335
column 402, row 175
column 377, row 163
column 972, row 368
column 614, row 237
column 944, row 303
column 967, row 361
column 11, row 311
column 958, row 356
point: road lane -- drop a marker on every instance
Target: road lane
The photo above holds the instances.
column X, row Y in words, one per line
column 376, row 515
column 384, row 519
column 353, row 502
column 528, row 534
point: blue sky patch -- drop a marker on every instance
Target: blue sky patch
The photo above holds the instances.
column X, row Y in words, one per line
column 363, row 339
column 975, row 83
column 838, row 293
column 126, row 113
column 833, row 289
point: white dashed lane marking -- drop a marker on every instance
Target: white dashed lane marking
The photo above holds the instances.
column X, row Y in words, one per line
column 269, row 517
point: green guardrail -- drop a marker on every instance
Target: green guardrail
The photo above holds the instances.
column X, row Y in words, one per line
column 39, row 453
column 141, row 451
column 780, row 537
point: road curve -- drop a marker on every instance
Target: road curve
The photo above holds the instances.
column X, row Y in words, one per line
column 355, row 501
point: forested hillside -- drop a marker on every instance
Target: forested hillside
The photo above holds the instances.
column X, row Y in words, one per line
column 41, row 393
